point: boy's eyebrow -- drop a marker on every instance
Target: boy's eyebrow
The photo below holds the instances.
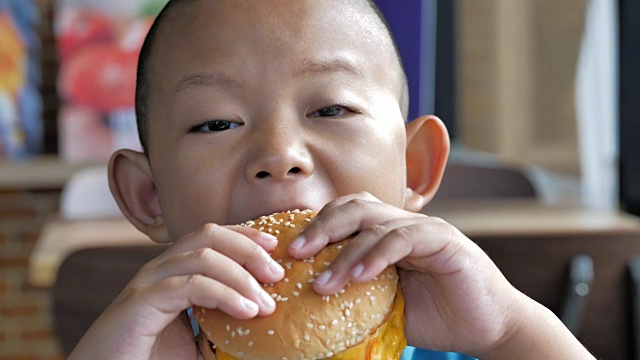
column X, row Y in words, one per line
column 214, row 78
column 204, row 79
column 328, row 65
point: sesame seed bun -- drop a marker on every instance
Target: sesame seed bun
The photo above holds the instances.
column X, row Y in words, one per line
column 305, row 324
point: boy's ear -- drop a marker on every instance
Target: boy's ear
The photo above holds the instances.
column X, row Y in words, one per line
column 427, row 153
column 132, row 186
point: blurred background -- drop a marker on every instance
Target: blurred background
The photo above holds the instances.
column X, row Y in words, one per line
column 546, row 89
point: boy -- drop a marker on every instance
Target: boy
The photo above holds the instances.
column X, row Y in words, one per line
column 247, row 108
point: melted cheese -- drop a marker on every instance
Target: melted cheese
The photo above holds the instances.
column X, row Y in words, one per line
column 387, row 343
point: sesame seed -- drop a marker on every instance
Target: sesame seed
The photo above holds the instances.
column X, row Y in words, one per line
column 306, row 337
column 233, row 334
column 228, row 328
column 295, row 293
column 310, row 325
column 321, row 327
column 226, row 342
column 250, row 344
column 286, row 279
column 299, row 285
column 334, row 322
column 270, row 332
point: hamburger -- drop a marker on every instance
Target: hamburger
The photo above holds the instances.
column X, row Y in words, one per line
column 361, row 322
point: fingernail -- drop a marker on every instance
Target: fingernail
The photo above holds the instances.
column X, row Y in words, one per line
column 298, row 243
column 250, row 305
column 357, row 270
column 269, row 237
column 275, row 268
column 323, row 278
column 266, row 299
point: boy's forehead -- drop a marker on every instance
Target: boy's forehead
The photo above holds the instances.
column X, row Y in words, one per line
column 229, row 29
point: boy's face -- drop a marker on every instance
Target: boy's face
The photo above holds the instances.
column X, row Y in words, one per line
column 308, row 97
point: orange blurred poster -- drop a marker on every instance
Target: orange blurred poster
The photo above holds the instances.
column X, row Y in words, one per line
column 20, row 100
column 98, row 45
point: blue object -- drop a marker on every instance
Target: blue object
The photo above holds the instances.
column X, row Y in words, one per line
column 413, row 24
column 411, row 353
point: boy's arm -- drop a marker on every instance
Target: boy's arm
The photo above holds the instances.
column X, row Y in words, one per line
column 536, row 334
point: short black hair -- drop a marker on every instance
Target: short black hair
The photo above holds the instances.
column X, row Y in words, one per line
column 143, row 78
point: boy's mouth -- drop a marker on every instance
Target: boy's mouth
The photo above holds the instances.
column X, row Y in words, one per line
column 251, row 203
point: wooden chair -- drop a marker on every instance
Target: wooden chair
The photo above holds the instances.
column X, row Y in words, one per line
column 482, row 180
column 88, row 280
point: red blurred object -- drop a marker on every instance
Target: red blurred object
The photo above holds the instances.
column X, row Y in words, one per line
column 81, row 28
column 84, row 134
column 102, row 77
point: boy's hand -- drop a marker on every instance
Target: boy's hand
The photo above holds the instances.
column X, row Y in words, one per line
column 456, row 299
column 214, row 267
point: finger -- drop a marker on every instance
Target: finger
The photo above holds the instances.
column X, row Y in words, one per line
column 427, row 245
column 350, row 264
column 234, row 245
column 346, row 198
column 208, row 234
column 158, row 304
column 340, row 222
column 216, row 266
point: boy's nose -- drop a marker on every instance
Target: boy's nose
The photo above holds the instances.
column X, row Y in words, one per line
column 280, row 164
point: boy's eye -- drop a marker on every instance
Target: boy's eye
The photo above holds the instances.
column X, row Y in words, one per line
column 214, row 126
column 331, row 111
